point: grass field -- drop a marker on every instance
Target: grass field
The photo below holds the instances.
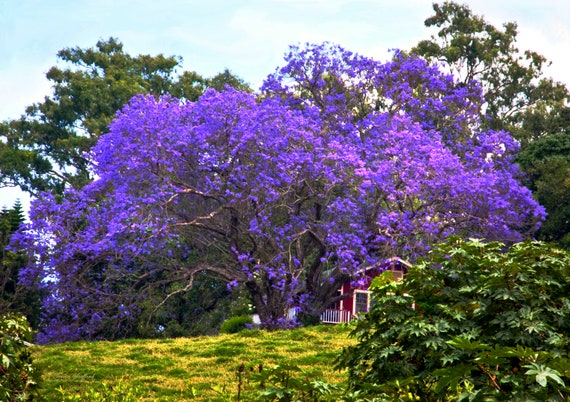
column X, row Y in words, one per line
column 187, row 368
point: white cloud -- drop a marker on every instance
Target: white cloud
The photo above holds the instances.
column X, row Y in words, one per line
column 555, row 51
column 22, row 85
column 8, row 197
column 543, row 27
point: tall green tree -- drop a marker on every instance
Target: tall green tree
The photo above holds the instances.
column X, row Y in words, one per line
column 547, row 164
column 15, row 298
column 46, row 148
column 520, row 99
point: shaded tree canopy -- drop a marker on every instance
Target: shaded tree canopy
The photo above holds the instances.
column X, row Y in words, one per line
column 546, row 161
column 340, row 163
column 46, row 148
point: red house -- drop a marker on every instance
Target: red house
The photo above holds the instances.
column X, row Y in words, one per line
column 357, row 299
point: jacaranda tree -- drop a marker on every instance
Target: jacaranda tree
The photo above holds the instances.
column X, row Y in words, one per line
column 340, row 162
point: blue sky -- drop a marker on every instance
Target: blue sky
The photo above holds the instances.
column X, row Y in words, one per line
column 249, row 36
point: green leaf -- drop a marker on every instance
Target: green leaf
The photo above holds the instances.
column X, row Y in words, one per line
column 543, row 373
column 6, row 361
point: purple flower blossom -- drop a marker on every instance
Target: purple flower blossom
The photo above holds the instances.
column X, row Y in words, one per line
column 342, row 161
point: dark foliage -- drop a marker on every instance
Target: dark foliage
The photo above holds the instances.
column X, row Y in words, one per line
column 473, row 321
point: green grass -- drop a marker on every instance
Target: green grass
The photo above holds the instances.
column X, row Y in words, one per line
column 175, row 369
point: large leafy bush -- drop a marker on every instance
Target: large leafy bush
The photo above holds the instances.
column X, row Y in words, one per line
column 18, row 376
column 473, row 321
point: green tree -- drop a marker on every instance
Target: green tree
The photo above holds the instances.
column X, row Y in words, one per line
column 227, row 78
column 473, row 321
column 15, row 298
column 546, row 162
column 46, row 148
column 519, row 98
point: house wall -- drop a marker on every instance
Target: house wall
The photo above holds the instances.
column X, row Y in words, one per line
column 397, row 269
column 347, row 304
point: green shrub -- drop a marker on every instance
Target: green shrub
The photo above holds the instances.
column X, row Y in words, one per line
column 474, row 321
column 236, row 324
column 121, row 392
column 18, row 376
column 282, row 383
column 286, row 383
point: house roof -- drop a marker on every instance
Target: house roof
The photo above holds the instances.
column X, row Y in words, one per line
column 388, row 264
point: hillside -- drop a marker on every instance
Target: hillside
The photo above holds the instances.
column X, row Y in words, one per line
column 187, row 368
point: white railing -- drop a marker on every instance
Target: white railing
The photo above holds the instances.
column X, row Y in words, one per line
column 335, row 316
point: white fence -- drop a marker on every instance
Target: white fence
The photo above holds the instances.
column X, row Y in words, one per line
column 335, row 316
column 327, row 317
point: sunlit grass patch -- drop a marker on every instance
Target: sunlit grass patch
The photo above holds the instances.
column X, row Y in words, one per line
column 174, row 369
